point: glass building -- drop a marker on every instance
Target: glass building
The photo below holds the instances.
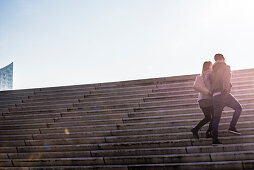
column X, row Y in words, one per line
column 6, row 77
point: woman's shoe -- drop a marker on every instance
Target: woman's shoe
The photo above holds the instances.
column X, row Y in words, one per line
column 208, row 134
column 195, row 133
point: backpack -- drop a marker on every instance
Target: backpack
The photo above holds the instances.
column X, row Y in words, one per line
column 199, row 85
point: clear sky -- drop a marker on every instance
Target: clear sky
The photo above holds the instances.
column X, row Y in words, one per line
column 69, row 42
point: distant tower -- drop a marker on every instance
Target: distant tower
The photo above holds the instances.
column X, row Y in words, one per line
column 6, row 77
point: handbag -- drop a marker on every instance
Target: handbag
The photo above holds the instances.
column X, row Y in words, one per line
column 199, row 85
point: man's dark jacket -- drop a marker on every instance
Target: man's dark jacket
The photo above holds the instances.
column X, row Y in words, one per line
column 221, row 77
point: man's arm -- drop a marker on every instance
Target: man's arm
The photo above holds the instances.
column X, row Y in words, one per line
column 227, row 79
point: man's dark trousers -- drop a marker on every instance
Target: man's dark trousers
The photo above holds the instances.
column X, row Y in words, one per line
column 219, row 102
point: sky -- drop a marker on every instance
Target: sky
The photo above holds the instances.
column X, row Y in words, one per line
column 70, row 42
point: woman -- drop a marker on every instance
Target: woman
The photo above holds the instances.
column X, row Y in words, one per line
column 205, row 101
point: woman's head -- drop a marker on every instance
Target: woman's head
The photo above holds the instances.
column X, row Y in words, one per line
column 206, row 66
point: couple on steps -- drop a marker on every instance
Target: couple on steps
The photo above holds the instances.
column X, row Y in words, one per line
column 214, row 86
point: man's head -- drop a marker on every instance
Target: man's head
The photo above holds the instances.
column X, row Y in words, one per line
column 219, row 57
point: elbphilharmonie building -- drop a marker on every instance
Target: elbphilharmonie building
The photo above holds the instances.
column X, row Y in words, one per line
column 6, row 77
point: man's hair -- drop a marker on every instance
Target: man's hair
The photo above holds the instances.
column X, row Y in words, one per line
column 218, row 57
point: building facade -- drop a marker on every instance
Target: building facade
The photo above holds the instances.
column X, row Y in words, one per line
column 6, row 77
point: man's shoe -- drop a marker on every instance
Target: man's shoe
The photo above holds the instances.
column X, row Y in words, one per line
column 216, row 142
column 234, row 131
column 195, row 133
column 208, row 134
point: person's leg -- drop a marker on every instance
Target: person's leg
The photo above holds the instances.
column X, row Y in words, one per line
column 230, row 101
column 201, row 123
column 209, row 130
column 217, row 108
column 207, row 118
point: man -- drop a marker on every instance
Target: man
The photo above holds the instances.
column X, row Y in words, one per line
column 221, row 87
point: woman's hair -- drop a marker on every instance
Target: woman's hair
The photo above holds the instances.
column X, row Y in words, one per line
column 206, row 66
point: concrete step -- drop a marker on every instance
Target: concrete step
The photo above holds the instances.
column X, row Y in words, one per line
column 122, row 90
column 91, row 93
column 153, row 135
column 74, row 106
column 61, row 92
column 173, row 150
column 49, row 142
column 16, row 92
column 45, row 103
column 242, row 71
column 222, row 165
column 120, row 136
column 153, row 159
column 225, row 165
column 243, row 78
column 57, row 118
column 65, row 134
column 127, row 118
column 83, row 101
column 148, row 101
column 118, row 119
column 193, row 146
column 9, row 96
column 168, row 136
column 55, row 148
column 45, row 155
column 181, row 96
column 247, row 103
column 93, row 167
column 77, row 128
column 77, row 108
column 189, row 86
column 175, row 122
column 9, row 102
column 247, row 136
column 144, row 125
column 26, row 121
column 30, row 117
column 114, row 84
column 49, row 111
column 53, row 99
column 4, row 110
column 146, row 160
column 58, row 130
column 72, row 101
column 106, row 94
column 126, row 125
column 58, row 95
column 19, row 131
column 131, row 112
column 59, row 161
column 66, row 93
column 155, row 101
column 35, row 108
column 112, row 98
column 159, row 159
column 86, row 87
column 136, row 109
column 179, row 158
column 7, row 105
column 175, row 143
column 6, row 163
column 61, row 124
column 192, row 94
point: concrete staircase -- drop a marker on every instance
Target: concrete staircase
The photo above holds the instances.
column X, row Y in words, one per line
column 140, row 124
